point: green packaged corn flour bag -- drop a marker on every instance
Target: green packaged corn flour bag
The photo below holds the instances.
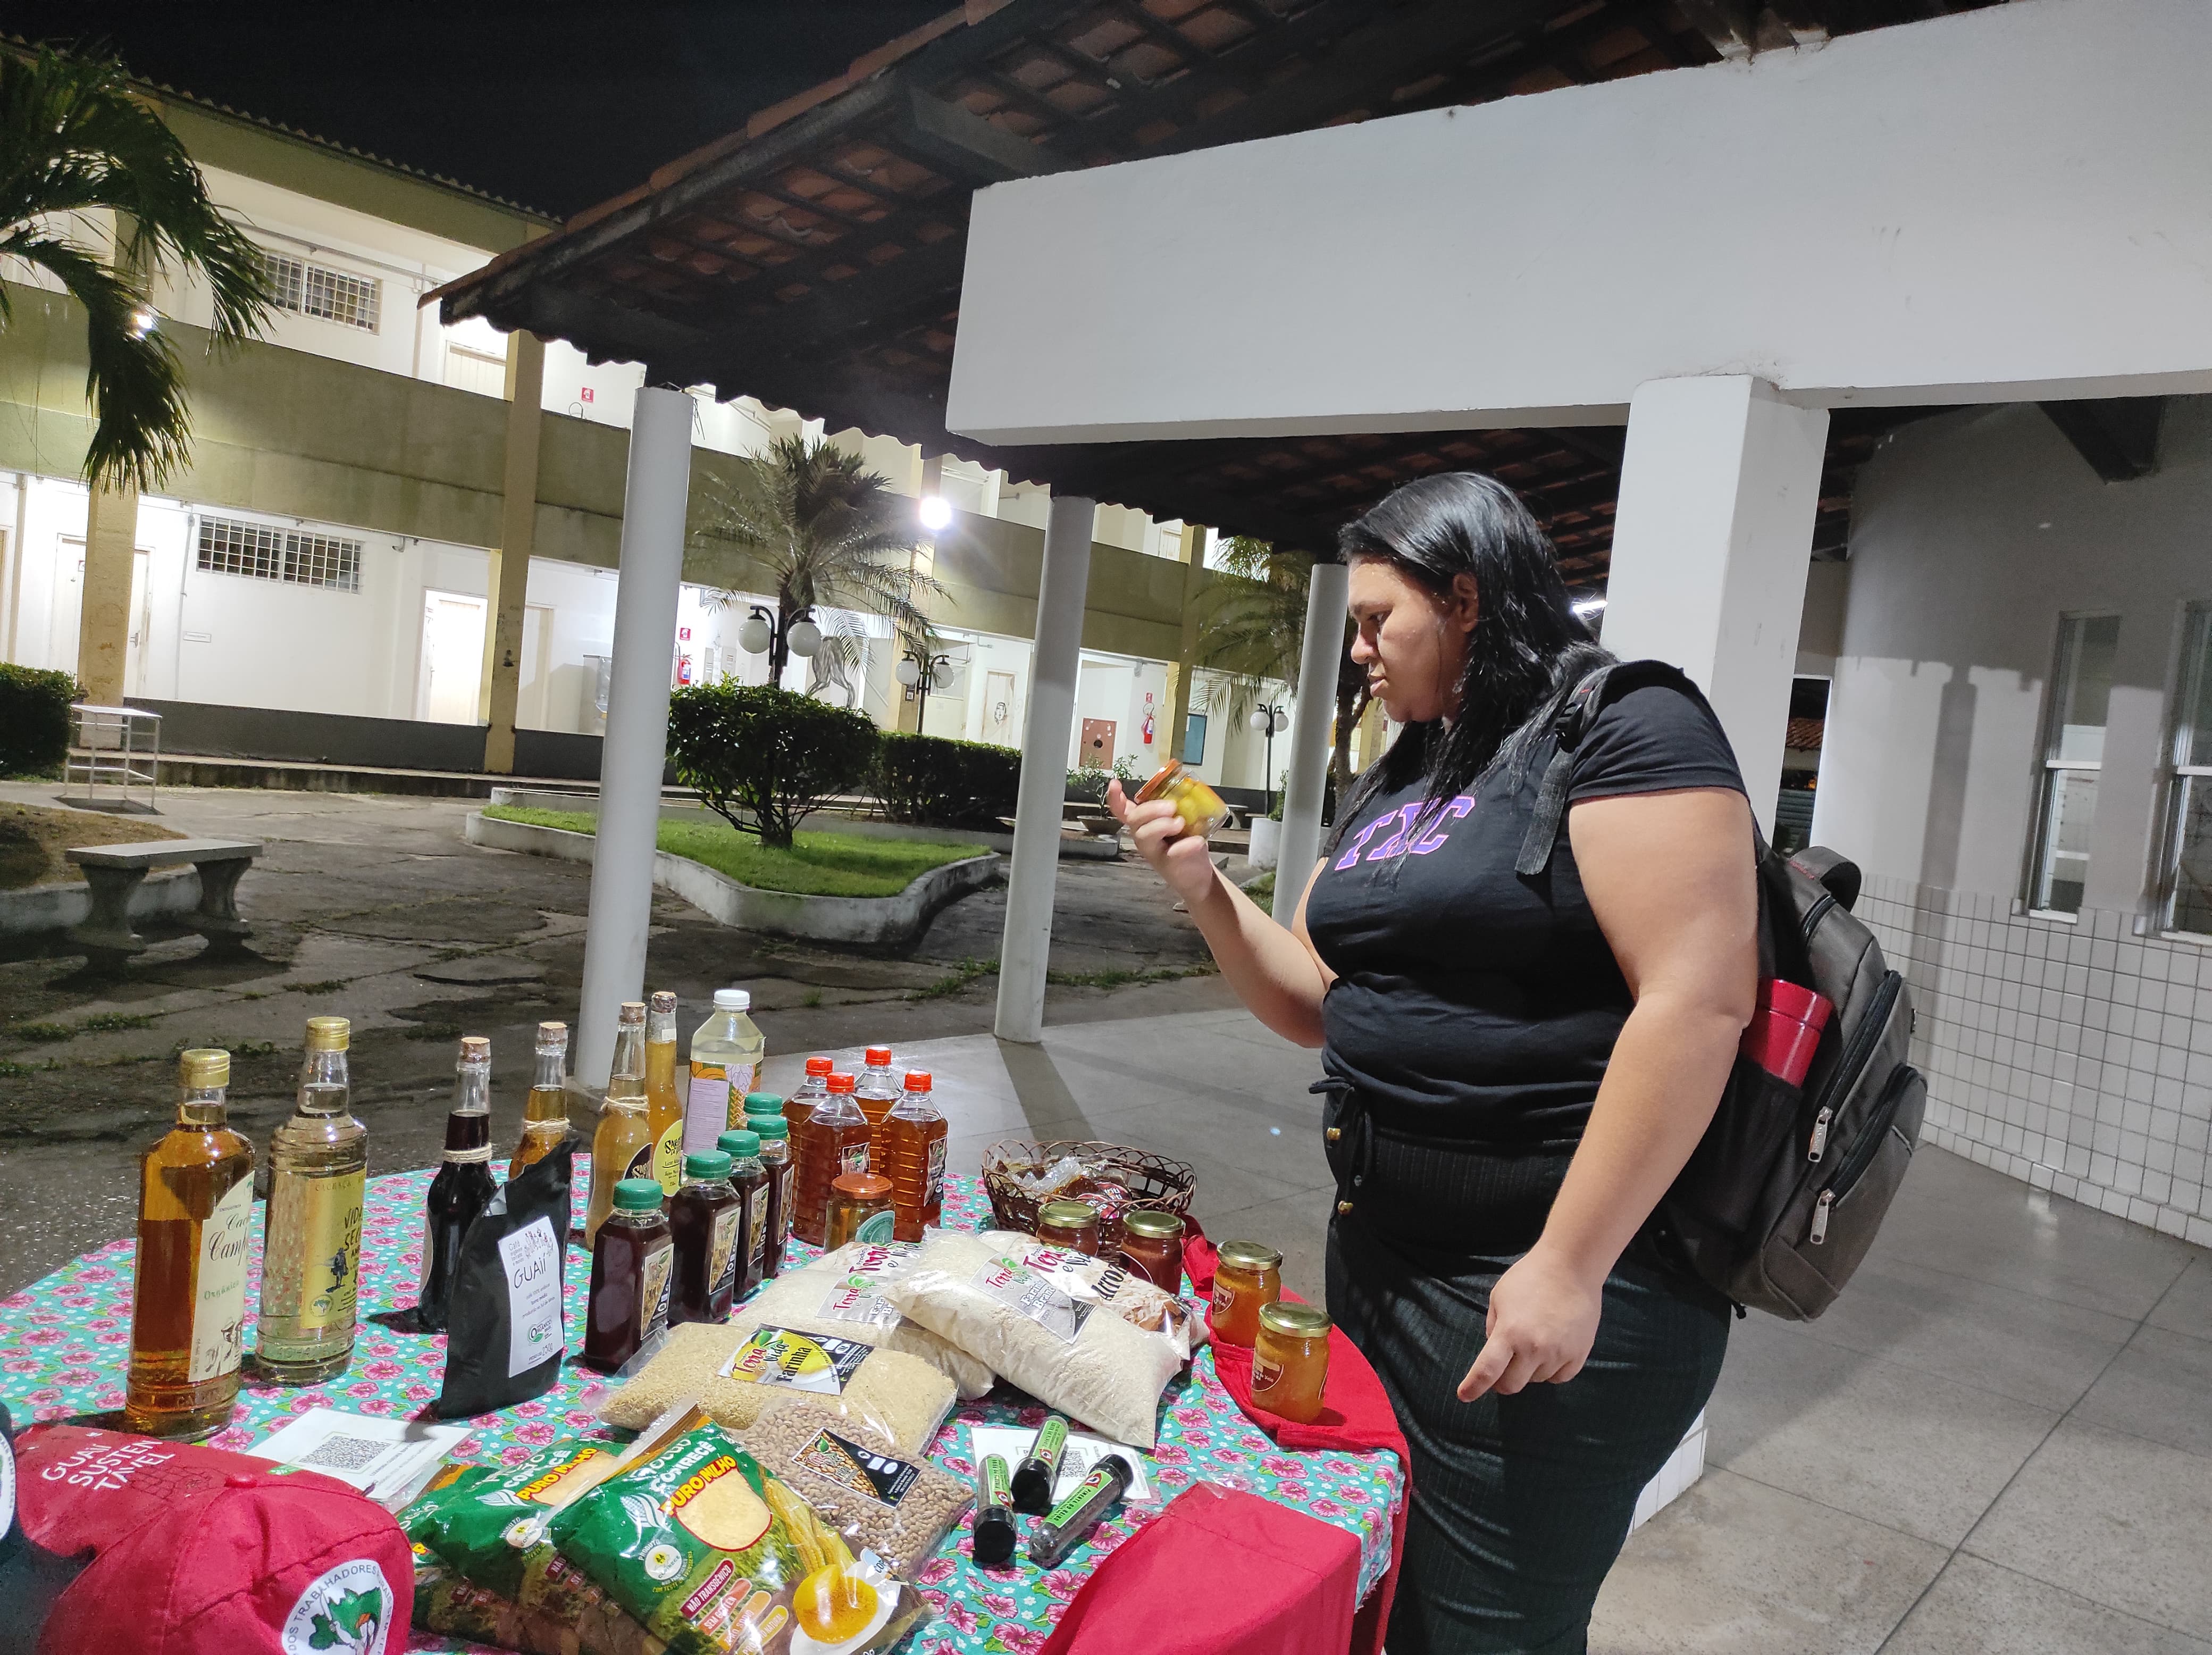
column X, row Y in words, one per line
column 719, row 1557
column 491, row 1528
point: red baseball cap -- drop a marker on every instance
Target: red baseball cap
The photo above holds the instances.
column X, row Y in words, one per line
column 195, row 1551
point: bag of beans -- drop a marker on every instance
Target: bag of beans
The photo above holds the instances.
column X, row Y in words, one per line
column 899, row 1509
column 840, row 1294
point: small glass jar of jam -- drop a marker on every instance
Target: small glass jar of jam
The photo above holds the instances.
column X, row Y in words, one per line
column 1290, row 1360
column 1199, row 806
column 859, row 1210
column 1247, row 1275
column 1070, row 1224
column 1151, row 1247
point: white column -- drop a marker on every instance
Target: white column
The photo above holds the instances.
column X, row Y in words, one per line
column 1719, row 487
column 1309, row 731
column 654, row 501
column 1027, row 945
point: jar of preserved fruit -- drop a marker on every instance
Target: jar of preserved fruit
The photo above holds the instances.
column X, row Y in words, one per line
column 1247, row 1275
column 1199, row 806
column 859, row 1210
column 1151, row 1247
column 1070, row 1224
column 1290, row 1360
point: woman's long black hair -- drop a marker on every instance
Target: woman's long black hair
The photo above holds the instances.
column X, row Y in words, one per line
column 1526, row 653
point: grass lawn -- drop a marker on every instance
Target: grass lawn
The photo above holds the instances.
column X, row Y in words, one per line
column 819, row 865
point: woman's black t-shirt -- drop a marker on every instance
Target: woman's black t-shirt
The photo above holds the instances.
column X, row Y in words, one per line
column 1472, row 1004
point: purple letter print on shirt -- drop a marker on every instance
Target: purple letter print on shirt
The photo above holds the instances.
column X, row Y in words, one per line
column 1404, row 819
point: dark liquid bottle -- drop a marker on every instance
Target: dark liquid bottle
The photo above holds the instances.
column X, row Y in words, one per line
column 707, row 1222
column 463, row 1188
column 776, row 1168
column 749, row 1178
column 630, row 1267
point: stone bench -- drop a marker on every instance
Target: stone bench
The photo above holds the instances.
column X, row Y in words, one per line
column 114, row 872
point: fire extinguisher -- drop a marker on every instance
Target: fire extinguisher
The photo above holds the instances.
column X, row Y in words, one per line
column 1148, row 729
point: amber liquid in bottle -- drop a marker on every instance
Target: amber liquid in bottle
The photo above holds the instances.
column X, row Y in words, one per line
column 664, row 1104
column 188, row 1301
column 914, row 1160
column 631, row 1266
column 877, row 1094
column 545, row 1115
column 623, row 1146
column 311, row 1266
column 776, row 1166
column 832, row 1140
column 463, row 1188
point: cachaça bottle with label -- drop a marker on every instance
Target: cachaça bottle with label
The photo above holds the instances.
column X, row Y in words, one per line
column 913, row 1137
column 463, row 1186
column 311, row 1265
column 545, row 1115
column 623, row 1147
column 188, row 1296
column 727, row 1051
column 664, row 1103
column 832, row 1140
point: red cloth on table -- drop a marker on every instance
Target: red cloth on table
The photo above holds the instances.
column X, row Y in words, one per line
column 1243, row 1576
column 1356, row 1416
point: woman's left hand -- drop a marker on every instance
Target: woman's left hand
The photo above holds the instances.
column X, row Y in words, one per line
column 1543, row 1320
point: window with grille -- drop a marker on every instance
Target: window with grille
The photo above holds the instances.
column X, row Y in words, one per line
column 2073, row 758
column 228, row 546
column 2189, row 798
column 310, row 290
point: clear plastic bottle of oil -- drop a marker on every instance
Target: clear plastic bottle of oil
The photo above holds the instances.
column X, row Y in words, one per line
column 832, row 1140
column 727, row 1051
column 913, row 1158
column 621, row 1145
column 664, row 1103
column 310, row 1267
column 188, row 1297
column 877, row 1094
column 545, row 1115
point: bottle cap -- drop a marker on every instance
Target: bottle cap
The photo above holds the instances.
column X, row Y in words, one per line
column 820, row 1065
column 708, row 1165
column 763, row 1103
column 862, row 1186
column 1294, row 1321
column 633, row 1011
column 328, row 1033
column 917, row 1079
column 638, row 1194
column 769, row 1128
column 733, row 999
column 842, row 1083
column 880, row 1057
column 664, row 1004
column 740, row 1145
column 553, row 1036
column 475, row 1049
column 204, row 1067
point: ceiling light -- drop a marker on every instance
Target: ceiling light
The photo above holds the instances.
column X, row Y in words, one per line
column 936, row 514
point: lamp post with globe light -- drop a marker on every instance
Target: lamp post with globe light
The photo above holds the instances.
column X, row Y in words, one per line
column 922, row 671
column 1267, row 719
column 779, row 637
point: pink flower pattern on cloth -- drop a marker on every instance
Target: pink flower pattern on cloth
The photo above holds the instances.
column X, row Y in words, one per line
column 65, row 1339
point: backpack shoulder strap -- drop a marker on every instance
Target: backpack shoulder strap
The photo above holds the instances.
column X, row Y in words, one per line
column 1576, row 716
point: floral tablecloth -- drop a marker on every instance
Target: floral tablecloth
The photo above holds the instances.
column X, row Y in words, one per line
column 65, row 1343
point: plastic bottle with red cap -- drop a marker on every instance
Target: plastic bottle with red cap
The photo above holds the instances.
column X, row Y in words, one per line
column 912, row 1136
column 877, row 1094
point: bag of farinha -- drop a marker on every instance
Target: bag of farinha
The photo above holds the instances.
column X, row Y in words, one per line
column 719, row 1557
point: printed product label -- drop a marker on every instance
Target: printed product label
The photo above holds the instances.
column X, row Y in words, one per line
column 707, row 1108
column 784, row 1174
column 932, row 1183
column 330, row 1220
column 997, row 1488
column 346, row 1610
column 653, row 1289
column 668, row 1159
column 873, row 1476
column 756, row 1211
column 1266, row 1372
column 741, row 1077
column 722, row 1256
column 778, row 1356
column 853, row 1158
column 644, row 1164
column 531, row 1258
column 851, row 1301
column 1024, row 1290
column 884, row 1258
column 1225, row 1297
column 1065, row 1513
column 219, row 1286
column 876, row 1227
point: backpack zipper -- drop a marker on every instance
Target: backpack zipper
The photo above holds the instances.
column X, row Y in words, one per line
column 1864, row 1038
column 1862, row 1154
column 1816, row 914
column 1819, row 1147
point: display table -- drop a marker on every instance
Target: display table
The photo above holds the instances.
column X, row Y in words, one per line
column 65, row 1343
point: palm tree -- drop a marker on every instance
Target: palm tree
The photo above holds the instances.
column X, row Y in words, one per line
column 75, row 140
column 1252, row 629
column 825, row 533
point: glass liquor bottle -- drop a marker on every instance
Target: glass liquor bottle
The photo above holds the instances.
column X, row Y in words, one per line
column 311, row 1266
column 545, row 1115
column 912, row 1136
column 832, row 1140
column 188, row 1297
column 623, row 1146
column 664, row 1104
column 463, row 1186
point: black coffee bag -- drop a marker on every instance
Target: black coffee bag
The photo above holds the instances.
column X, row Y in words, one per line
column 505, row 1333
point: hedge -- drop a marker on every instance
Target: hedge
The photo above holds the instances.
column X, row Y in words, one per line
column 34, row 719
column 764, row 759
column 928, row 780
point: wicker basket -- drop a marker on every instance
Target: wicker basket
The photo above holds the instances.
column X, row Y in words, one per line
column 1153, row 1182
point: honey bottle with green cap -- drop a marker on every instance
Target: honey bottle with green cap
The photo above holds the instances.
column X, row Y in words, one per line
column 311, row 1266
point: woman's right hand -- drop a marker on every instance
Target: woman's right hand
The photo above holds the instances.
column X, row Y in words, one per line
column 1182, row 858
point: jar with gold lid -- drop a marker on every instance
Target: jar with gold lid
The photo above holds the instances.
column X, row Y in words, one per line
column 1290, row 1360
column 1151, row 1247
column 1246, row 1275
column 1199, row 806
column 1070, row 1224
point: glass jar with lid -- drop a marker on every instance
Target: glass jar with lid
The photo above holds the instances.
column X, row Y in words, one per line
column 1071, row 1224
column 1249, row 1274
column 859, row 1210
column 1290, row 1360
column 1199, row 806
column 1151, row 1247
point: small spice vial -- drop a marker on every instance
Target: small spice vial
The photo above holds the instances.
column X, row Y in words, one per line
column 1290, row 1360
column 1249, row 1274
column 1072, row 1224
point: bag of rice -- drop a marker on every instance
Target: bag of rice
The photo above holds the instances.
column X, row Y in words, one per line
column 1071, row 1354
column 839, row 1294
column 736, row 1372
column 1103, row 1282
column 715, row 1554
column 898, row 1509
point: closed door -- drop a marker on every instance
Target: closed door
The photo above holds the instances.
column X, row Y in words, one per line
column 998, row 725
column 67, row 613
column 141, row 623
column 452, row 657
column 1096, row 748
column 533, row 702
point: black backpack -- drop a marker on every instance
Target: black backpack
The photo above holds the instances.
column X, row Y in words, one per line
column 1783, row 1196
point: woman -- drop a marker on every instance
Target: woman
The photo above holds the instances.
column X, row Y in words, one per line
column 1517, row 1067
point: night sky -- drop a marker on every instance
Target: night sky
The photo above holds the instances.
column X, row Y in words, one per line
column 556, row 105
